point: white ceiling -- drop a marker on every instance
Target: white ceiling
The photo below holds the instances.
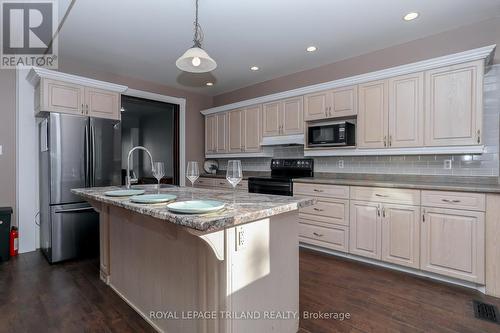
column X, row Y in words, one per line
column 143, row 38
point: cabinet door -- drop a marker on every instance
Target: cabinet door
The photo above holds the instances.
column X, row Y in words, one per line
column 453, row 243
column 401, row 235
column 102, row 103
column 271, row 119
column 365, row 230
column 235, row 131
column 210, row 134
column 221, row 133
column 406, row 111
column 252, row 131
column 316, row 105
column 373, row 112
column 62, row 97
column 453, row 113
column 344, row 102
column 293, row 116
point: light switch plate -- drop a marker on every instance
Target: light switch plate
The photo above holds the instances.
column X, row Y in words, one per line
column 341, row 164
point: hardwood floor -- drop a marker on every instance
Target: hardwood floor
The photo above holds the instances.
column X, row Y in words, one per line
column 69, row 297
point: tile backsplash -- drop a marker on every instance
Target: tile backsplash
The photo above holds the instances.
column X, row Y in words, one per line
column 486, row 164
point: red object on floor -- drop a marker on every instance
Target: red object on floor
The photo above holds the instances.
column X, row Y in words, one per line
column 14, row 241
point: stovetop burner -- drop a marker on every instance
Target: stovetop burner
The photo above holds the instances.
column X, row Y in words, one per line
column 283, row 171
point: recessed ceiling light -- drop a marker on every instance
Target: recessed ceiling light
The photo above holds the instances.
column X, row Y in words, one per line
column 209, row 84
column 311, row 49
column 410, row 16
column 254, row 68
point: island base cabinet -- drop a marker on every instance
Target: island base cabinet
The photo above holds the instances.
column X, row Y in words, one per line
column 157, row 266
column 453, row 243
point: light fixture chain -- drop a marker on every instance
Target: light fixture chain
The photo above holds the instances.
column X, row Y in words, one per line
column 198, row 32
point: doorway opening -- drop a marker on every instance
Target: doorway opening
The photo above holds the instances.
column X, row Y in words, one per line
column 154, row 125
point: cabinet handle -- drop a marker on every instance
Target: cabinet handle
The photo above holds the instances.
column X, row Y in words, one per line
column 385, row 140
column 316, row 190
column 390, row 140
column 378, row 211
column 383, row 211
column 83, row 109
column 318, row 209
column 423, row 215
column 381, row 195
column 87, row 108
column 317, row 235
column 478, row 136
column 451, row 201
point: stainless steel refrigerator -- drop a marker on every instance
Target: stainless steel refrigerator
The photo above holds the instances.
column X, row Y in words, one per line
column 75, row 152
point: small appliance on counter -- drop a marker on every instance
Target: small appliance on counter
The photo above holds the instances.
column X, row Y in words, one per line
column 283, row 171
column 331, row 134
column 211, row 166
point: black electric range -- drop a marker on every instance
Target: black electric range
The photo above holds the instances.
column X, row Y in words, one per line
column 283, row 171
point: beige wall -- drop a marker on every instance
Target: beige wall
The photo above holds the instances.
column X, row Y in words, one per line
column 461, row 39
column 8, row 138
column 195, row 126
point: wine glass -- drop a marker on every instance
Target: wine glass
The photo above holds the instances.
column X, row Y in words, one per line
column 234, row 174
column 158, row 172
column 192, row 172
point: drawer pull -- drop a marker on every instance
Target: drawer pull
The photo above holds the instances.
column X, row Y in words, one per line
column 222, row 183
column 316, row 190
column 450, row 201
column 381, row 195
column 317, row 235
column 318, row 209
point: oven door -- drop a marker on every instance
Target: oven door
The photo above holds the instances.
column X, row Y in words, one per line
column 270, row 186
column 327, row 135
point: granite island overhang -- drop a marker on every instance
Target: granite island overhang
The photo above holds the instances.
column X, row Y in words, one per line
column 236, row 270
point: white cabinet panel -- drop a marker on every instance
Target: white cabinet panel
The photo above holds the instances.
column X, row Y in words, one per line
column 372, row 129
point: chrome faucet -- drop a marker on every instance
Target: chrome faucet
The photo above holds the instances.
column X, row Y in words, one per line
column 128, row 180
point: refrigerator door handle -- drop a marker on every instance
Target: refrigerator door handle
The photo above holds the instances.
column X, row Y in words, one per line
column 92, row 156
column 87, row 156
column 74, row 210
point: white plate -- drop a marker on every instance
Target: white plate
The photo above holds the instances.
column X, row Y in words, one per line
column 152, row 198
column 195, row 206
column 123, row 193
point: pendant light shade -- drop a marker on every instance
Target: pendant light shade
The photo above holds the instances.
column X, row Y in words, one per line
column 196, row 60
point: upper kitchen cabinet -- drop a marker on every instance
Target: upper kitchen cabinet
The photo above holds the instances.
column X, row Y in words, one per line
column 102, row 103
column 210, row 134
column 253, row 133
column 283, row 117
column 221, row 133
column 373, row 114
column 235, row 130
column 65, row 93
column 406, row 111
column 341, row 102
column 454, row 97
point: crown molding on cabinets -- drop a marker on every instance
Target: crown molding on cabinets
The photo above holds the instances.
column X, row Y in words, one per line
column 485, row 53
column 459, row 150
column 37, row 73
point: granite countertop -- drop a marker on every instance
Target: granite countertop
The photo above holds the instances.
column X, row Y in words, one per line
column 246, row 174
column 247, row 207
column 441, row 183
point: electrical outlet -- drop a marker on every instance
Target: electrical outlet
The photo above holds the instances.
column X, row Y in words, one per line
column 240, row 238
column 340, row 164
column 447, row 164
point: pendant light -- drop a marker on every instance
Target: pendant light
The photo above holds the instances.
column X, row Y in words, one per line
column 195, row 59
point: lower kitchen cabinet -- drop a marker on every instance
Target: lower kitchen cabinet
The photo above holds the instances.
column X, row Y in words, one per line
column 365, row 237
column 453, row 243
column 401, row 235
column 335, row 237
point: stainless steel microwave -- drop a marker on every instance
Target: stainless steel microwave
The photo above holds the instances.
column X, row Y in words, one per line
column 340, row 133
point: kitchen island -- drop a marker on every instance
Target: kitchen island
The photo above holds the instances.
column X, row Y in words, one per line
column 235, row 270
